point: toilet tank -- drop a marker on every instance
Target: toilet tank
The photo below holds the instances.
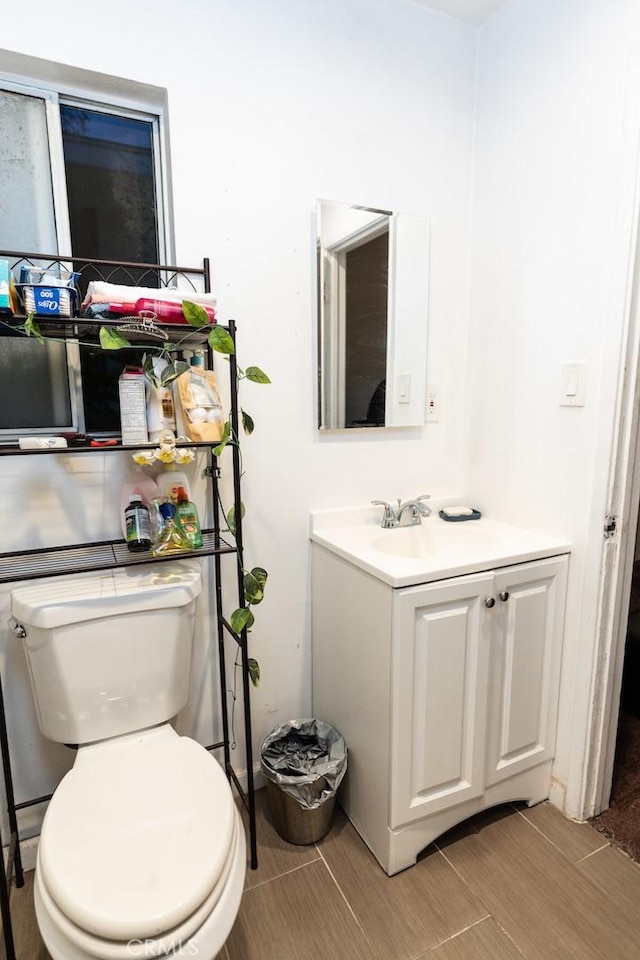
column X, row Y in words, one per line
column 108, row 653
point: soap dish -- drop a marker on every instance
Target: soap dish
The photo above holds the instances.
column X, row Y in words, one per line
column 474, row 515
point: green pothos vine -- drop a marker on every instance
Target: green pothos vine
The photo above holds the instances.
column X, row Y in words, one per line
column 218, row 338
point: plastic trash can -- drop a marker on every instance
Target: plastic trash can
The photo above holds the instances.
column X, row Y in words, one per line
column 303, row 763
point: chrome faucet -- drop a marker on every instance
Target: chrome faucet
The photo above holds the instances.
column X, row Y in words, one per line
column 417, row 510
column 392, row 516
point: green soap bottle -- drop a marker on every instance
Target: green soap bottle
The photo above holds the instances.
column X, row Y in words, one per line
column 187, row 518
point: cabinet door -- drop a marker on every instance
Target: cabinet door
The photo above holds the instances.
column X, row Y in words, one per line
column 439, row 689
column 525, row 666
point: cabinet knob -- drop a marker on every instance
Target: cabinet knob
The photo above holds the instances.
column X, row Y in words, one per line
column 490, row 602
column 504, row 596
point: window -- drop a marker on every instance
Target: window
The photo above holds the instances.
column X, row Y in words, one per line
column 111, row 190
column 82, row 177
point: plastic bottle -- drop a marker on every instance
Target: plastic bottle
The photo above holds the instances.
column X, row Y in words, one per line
column 160, row 409
column 171, row 479
column 138, row 525
column 172, row 539
column 157, row 520
column 187, row 517
column 137, row 482
column 168, row 311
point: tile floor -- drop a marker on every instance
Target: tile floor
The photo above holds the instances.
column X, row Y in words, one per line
column 512, row 884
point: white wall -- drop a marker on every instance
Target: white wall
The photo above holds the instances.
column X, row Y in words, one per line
column 272, row 106
column 555, row 168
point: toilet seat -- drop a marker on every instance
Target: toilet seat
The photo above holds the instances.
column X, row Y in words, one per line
column 66, row 942
column 137, row 838
column 202, row 935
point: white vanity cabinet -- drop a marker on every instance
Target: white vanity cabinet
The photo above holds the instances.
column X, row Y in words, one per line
column 445, row 692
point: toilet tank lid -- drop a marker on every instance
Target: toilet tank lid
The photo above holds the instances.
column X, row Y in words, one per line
column 55, row 602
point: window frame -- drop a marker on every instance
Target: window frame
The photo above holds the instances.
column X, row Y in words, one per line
column 99, row 93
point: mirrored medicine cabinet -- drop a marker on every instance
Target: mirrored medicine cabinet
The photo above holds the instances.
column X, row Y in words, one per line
column 372, row 295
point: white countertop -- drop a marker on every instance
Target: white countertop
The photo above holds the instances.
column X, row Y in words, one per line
column 433, row 550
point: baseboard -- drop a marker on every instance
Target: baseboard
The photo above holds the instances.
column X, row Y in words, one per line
column 558, row 794
column 258, row 779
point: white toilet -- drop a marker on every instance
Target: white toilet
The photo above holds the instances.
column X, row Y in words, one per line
column 142, row 849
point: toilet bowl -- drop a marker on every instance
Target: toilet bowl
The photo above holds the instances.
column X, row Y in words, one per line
column 131, row 862
column 142, row 848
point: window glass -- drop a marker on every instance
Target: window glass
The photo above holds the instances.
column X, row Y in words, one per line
column 111, row 190
column 109, row 166
column 27, row 220
column 34, row 383
column 106, row 167
column 100, row 372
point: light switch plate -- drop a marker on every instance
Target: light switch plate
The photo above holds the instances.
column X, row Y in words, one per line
column 574, row 384
column 404, row 388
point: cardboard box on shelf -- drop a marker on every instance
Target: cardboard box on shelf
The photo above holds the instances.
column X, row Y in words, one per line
column 133, row 407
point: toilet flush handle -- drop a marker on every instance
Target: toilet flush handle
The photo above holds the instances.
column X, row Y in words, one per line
column 16, row 627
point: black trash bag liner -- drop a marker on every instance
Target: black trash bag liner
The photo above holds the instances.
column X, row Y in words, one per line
column 307, row 759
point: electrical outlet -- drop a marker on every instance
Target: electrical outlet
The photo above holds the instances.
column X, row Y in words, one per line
column 433, row 404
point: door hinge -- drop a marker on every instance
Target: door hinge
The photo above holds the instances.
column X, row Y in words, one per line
column 610, row 526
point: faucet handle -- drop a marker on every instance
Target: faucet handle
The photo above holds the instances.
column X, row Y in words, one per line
column 389, row 518
column 423, row 508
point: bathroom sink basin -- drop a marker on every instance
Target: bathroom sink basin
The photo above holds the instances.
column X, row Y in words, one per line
column 432, row 550
column 435, row 538
column 422, row 541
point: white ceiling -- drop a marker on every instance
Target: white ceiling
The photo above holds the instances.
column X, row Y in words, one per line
column 471, row 11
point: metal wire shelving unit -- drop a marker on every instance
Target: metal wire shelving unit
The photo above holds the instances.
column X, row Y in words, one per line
column 86, row 557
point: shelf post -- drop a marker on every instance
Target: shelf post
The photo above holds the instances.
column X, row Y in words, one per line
column 246, row 688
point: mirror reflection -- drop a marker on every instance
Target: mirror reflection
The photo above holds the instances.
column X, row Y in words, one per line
column 372, row 316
